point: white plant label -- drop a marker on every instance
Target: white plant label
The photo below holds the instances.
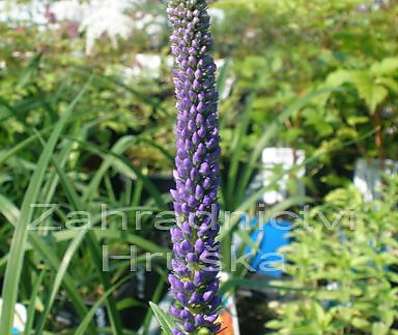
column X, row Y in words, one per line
column 20, row 317
column 280, row 166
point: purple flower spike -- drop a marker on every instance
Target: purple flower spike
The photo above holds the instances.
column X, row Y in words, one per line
column 194, row 280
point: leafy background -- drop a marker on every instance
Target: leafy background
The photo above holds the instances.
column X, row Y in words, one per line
column 84, row 127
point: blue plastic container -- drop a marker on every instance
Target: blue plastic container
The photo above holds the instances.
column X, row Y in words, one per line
column 270, row 238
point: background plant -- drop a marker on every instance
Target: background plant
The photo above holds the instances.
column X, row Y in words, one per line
column 326, row 84
column 344, row 254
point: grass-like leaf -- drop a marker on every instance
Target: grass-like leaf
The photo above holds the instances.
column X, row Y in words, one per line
column 73, row 247
column 165, row 321
column 81, row 330
column 19, row 241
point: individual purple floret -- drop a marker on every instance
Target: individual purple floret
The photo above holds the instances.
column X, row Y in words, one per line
column 195, row 265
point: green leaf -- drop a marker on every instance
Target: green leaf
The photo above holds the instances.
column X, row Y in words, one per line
column 157, row 295
column 372, row 93
column 368, row 90
column 73, row 247
column 8, row 209
column 40, row 246
column 389, row 83
column 94, row 248
column 339, row 77
column 5, row 155
column 19, row 241
column 307, row 330
column 319, row 313
column 30, row 71
column 274, row 324
column 230, row 195
column 114, row 158
column 354, row 120
column 387, row 66
column 379, row 328
column 81, row 330
column 360, row 323
column 165, row 321
column 32, row 303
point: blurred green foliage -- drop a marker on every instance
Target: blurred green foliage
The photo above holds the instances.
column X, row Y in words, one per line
column 285, row 49
column 344, row 254
column 278, row 51
column 317, row 75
